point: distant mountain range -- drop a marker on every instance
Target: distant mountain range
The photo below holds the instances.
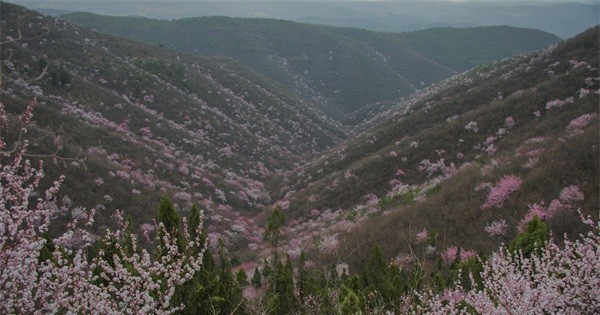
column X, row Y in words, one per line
column 562, row 19
column 339, row 69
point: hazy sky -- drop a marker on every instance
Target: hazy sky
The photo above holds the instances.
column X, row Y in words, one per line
column 199, row 1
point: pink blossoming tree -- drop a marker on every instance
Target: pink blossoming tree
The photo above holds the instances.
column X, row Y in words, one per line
column 502, row 190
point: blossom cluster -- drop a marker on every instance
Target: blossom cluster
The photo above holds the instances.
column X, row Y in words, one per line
column 562, row 280
column 506, row 186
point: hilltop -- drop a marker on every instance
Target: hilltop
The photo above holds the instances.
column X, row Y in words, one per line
column 563, row 19
column 339, row 69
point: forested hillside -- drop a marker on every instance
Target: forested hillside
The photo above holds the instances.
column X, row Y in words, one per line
column 490, row 146
column 132, row 122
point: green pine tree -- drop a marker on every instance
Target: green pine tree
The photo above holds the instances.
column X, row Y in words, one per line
column 532, row 240
column 273, row 229
column 350, row 304
column 169, row 217
column 279, row 296
column 256, row 278
column 377, row 276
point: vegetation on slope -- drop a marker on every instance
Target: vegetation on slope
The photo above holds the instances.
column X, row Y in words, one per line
column 133, row 122
column 528, row 125
column 432, row 190
column 482, row 42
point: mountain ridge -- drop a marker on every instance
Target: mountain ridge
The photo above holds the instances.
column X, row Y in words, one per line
column 375, row 66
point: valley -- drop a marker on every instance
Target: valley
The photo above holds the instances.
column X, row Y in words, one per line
column 342, row 148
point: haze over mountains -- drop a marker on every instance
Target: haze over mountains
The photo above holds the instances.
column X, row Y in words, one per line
column 562, row 19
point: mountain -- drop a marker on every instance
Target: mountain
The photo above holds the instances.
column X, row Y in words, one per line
column 132, row 122
column 128, row 122
column 340, row 69
column 563, row 19
column 468, row 161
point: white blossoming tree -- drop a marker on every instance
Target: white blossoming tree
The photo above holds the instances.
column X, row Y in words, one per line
column 122, row 278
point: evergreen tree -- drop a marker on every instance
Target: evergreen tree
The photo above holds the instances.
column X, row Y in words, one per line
column 196, row 294
column 303, row 283
column 228, row 297
column 169, row 217
column 279, row 297
column 377, row 276
column 350, row 304
column 256, row 278
column 273, row 229
column 241, row 278
column 532, row 240
column 194, row 221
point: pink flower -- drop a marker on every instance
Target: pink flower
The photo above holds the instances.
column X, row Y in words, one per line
column 450, row 254
column 496, row 228
column 472, row 126
column 509, row 121
column 555, row 104
column 490, row 140
column 502, row 190
column 491, row 149
column 577, row 125
column 422, row 236
column 466, row 254
column 571, row 194
column 535, row 210
column 394, row 182
column 555, row 206
column 372, row 199
column 284, row 204
column 403, row 259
